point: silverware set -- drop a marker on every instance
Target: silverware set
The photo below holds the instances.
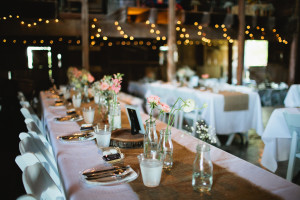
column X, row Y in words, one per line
column 115, row 173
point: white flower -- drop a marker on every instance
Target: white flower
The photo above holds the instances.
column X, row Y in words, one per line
column 189, row 105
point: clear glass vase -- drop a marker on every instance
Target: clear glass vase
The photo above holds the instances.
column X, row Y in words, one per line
column 202, row 169
column 85, row 98
column 103, row 108
column 114, row 116
column 150, row 137
column 165, row 146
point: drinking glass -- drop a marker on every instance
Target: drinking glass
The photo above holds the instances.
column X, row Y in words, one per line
column 76, row 100
column 88, row 115
column 151, row 165
column 103, row 134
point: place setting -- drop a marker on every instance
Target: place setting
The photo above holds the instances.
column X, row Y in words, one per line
column 114, row 175
column 71, row 116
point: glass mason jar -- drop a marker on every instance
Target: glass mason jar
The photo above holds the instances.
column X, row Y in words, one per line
column 103, row 108
column 97, row 96
column 114, row 116
column 150, row 137
column 165, row 146
column 85, row 98
column 202, row 169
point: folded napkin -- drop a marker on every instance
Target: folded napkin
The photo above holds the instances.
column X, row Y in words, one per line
column 234, row 101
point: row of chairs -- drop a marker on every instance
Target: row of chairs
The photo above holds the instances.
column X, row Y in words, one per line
column 40, row 175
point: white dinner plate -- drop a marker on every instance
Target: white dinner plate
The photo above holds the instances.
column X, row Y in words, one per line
column 127, row 176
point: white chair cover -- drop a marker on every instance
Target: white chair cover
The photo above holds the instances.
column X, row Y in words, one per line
column 293, row 122
column 39, row 183
column 35, row 146
column 27, row 197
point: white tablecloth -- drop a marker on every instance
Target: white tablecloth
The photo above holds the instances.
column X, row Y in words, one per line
column 277, row 139
column 213, row 114
column 73, row 158
column 292, row 98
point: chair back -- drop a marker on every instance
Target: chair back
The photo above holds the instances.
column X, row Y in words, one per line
column 292, row 120
column 35, row 146
column 26, row 197
column 23, row 135
column 39, row 183
column 33, row 126
column 25, row 160
column 25, row 112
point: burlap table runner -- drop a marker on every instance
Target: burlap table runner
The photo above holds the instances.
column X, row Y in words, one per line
column 234, row 101
column 177, row 184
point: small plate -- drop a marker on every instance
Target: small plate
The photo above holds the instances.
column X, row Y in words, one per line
column 57, row 104
column 78, row 137
column 86, row 127
column 126, row 177
column 111, row 151
column 71, row 111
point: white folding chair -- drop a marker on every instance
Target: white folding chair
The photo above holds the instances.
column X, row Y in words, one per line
column 293, row 122
column 39, row 183
column 32, row 145
column 32, row 126
column 26, row 197
column 25, row 160
column 21, row 96
column 28, row 112
column 23, row 135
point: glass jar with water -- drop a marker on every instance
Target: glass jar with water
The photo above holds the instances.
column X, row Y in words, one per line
column 165, row 146
column 150, row 137
column 202, row 169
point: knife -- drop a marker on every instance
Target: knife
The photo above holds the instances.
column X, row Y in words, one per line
column 106, row 170
column 117, row 176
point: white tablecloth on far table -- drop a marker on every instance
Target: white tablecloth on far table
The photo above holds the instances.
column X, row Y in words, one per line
column 214, row 114
column 292, row 98
column 277, row 139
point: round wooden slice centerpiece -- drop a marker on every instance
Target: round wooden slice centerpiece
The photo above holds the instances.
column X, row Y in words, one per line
column 124, row 139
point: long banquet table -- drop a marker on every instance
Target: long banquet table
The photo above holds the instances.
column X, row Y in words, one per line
column 224, row 122
column 233, row 177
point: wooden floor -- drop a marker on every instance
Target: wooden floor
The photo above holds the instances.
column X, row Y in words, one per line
column 12, row 123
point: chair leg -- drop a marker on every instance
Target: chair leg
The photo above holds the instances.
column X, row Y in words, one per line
column 230, row 139
column 291, row 164
column 218, row 143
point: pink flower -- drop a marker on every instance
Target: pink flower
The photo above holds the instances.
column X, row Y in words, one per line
column 77, row 73
column 90, row 78
column 153, row 100
column 165, row 108
column 104, row 86
column 116, row 89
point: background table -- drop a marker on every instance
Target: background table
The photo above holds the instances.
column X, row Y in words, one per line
column 277, row 139
column 214, row 114
column 292, row 98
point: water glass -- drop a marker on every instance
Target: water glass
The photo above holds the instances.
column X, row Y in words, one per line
column 151, row 165
column 103, row 134
column 88, row 115
column 76, row 100
column 63, row 88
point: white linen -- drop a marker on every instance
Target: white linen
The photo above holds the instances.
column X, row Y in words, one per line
column 277, row 139
column 73, row 158
column 213, row 114
column 292, row 98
